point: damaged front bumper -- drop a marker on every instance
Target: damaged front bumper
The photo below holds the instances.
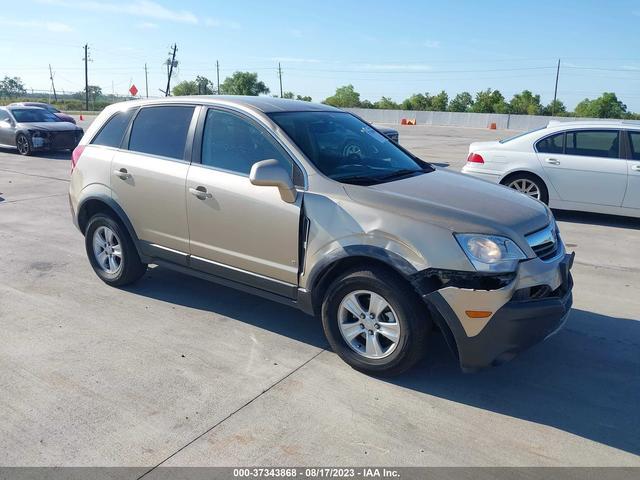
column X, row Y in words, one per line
column 493, row 318
column 52, row 140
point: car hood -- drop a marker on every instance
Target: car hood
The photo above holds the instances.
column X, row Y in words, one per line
column 457, row 202
column 50, row 126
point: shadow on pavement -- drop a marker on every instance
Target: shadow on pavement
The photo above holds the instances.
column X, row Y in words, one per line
column 169, row 286
column 585, row 380
column 597, row 219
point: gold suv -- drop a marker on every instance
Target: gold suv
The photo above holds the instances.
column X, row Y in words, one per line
column 311, row 206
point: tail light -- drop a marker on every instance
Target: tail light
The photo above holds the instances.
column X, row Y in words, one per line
column 475, row 158
column 75, row 156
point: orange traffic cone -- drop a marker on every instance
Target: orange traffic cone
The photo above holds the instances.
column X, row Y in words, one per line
column 81, row 117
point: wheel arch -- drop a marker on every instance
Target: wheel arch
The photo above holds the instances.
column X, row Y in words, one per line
column 95, row 204
column 332, row 265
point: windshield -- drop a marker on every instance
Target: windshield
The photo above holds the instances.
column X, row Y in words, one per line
column 33, row 115
column 346, row 149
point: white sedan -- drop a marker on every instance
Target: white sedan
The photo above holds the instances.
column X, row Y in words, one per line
column 588, row 166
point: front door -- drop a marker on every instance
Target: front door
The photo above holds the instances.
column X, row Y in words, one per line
column 237, row 229
column 7, row 129
column 590, row 169
column 632, row 197
column 148, row 176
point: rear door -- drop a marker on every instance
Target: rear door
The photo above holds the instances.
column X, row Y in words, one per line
column 148, row 176
column 589, row 168
column 237, row 229
column 632, row 197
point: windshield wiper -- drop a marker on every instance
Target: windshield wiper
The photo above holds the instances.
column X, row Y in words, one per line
column 399, row 174
column 357, row 179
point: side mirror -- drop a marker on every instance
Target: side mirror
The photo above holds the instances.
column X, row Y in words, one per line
column 269, row 173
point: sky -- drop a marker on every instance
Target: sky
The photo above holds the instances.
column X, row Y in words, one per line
column 385, row 48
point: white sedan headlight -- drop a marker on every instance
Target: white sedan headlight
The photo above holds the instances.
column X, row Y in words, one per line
column 490, row 253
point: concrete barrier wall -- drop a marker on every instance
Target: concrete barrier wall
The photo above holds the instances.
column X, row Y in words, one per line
column 460, row 119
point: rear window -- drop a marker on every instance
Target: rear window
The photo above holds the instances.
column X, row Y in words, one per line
column 552, row 144
column 112, row 132
column 635, row 145
column 161, row 131
column 508, row 139
column 593, row 143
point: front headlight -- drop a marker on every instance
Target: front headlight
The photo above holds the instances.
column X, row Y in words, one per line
column 490, row 253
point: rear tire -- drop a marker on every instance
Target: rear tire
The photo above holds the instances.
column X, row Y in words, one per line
column 23, row 145
column 367, row 343
column 111, row 251
column 529, row 184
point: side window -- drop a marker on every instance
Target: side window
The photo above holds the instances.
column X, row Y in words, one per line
column 230, row 142
column 112, row 132
column 161, row 131
column 552, row 144
column 4, row 116
column 593, row 143
column 635, row 145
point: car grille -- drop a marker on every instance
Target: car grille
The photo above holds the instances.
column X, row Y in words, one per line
column 63, row 140
column 545, row 243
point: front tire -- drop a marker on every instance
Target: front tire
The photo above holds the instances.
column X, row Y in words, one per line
column 111, row 252
column 375, row 322
column 23, row 144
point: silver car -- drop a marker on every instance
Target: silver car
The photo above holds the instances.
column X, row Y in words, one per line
column 248, row 192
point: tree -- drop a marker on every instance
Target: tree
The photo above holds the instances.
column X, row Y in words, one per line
column 12, row 87
column 243, row 83
column 525, row 103
column 440, row 102
column 345, row 96
column 490, row 101
column 417, row 101
column 94, row 92
column 292, row 96
column 462, row 102
column 605, row 106
column 186, row 87
column 386, row 103
column 556, row 108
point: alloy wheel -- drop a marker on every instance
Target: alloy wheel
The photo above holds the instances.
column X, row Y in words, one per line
column 368, row 324
column 526, row 186
column 23, row 144
column 107, row 250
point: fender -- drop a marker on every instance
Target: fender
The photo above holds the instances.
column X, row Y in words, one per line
column 392, row 259
column 122, row 216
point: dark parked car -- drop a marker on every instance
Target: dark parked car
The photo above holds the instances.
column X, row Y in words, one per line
column 50, row 108
column 390, row 133
column 32, row 128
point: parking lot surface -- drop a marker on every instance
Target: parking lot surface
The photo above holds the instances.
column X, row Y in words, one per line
column 175, row 371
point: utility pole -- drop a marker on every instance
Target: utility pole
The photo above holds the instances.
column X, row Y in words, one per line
column 55, row 96
column 218, row 75
column 146, row 81
column 86, row 76
column 173, row 61
column 555, row 92
column 280, row 75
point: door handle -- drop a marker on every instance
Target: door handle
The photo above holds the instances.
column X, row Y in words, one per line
column 200, row 192
column 636, row 168
column 122, row 173
column 553, row 161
